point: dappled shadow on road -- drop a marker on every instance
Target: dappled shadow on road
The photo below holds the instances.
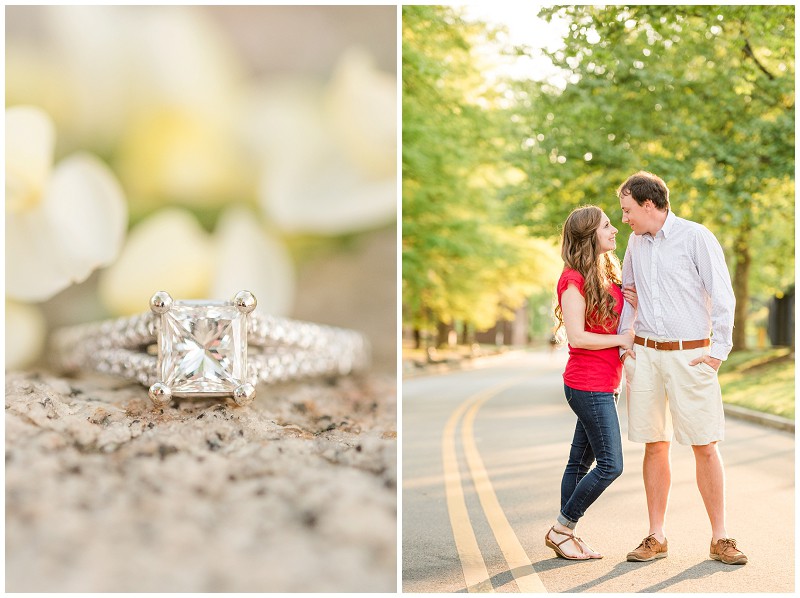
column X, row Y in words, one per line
column 508, row 576
column 505, row 577
column 556, row 563
column 698, row 571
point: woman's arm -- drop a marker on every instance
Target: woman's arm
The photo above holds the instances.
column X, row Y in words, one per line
column 573, row 307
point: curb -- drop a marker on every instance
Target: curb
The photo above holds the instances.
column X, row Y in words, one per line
column 758, row 417
column 412, row 370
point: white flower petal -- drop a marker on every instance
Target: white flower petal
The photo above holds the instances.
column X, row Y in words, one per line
column 310, row 181
column 25, row 334
column 86, row 209
column 30, row 139
column 285, row 117
column 326, row 196
column 77, row 227
column 170, row 252
column 33, row 269
column 362, row 108
column 250, row 259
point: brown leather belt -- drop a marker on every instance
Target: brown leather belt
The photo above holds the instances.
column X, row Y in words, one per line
column 671, row 345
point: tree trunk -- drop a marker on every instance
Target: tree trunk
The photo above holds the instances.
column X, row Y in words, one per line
column 442, row 334
column 741, row 287
column 417, row 338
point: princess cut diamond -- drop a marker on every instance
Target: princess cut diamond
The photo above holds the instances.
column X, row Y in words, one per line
column 202, row 348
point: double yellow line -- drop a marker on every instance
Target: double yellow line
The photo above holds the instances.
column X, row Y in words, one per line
column 475, row 573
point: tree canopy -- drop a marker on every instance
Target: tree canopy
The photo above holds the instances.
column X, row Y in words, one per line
column 463, row 258
column 701, row 95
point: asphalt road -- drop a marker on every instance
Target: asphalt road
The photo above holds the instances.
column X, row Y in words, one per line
column 483, row 454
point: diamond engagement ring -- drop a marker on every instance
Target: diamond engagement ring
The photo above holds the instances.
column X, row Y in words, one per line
column 200, row 348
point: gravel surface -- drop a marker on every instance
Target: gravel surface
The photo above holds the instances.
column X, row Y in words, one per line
column 294, row 493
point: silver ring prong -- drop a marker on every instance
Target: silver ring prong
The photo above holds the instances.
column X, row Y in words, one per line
column 245, row 301
column 160, row 394
column 160, row 302
column 244, row 395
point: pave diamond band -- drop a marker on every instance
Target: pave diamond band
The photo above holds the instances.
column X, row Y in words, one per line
column 208, row 348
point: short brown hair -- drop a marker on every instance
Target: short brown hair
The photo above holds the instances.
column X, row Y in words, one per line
column 645, row 185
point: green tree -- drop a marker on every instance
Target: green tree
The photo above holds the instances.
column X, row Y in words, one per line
column 463, row 257
column 702, row 96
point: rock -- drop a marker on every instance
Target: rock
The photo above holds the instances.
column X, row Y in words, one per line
column 296, row 493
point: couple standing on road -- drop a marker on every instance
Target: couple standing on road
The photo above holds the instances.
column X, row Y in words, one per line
column 652, row 317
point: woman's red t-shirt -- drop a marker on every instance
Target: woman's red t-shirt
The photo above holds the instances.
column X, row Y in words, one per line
column 592, row 369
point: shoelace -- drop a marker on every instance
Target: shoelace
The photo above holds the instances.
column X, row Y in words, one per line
column 647, row 542
column 726, row 542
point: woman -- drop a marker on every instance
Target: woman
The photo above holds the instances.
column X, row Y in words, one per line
column 589, row 305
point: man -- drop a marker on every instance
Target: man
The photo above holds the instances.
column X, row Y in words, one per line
column 684, row 297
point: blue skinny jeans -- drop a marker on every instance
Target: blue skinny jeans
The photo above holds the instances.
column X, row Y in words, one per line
column 597, row 439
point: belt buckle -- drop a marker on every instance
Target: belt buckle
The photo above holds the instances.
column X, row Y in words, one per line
column 655, row 345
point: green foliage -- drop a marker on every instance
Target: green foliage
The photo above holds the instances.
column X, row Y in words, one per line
column 463, row 257
column 702, row 96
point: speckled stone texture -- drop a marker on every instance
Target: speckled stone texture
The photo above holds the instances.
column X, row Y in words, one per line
column 295, row 493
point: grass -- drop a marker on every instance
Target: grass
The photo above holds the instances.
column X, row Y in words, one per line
column 762, row 380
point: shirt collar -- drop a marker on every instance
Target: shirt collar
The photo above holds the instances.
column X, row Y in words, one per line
column 665, row 229
column 669, row 223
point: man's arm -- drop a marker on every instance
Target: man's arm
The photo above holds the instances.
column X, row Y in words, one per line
column 717, row 282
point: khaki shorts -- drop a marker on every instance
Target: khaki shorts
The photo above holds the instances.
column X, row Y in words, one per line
column 665, row 393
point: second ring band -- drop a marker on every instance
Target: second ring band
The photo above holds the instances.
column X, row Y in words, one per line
column 208, row 348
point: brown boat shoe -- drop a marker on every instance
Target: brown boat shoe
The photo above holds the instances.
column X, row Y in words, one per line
column 650, row 549
column 724, row 550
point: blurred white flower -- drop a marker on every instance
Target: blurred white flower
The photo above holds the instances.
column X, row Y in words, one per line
column 154, row 86
column 248, row 258
column 62, row 222
column 170, row 251
column 361, row 105
column 328, row 153
column 25, row 333
column 178, row 155
column 114, row 62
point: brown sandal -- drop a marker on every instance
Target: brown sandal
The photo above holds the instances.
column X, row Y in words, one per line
column 587, row 550
column 556, row 546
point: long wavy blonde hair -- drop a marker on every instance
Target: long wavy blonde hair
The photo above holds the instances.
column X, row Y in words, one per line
column 579, row 251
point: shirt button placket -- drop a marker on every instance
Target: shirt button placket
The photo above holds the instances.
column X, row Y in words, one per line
column 656, row 286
